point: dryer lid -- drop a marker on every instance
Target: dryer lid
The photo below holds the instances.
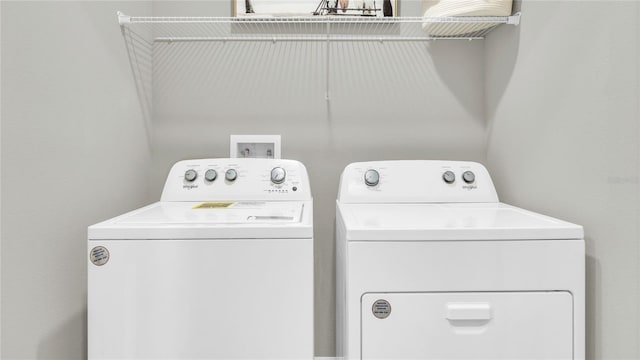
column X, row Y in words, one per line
column 210, row 220
column 450, row 222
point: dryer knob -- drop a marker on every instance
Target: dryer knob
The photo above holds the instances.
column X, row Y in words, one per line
column 278, row 175
column 231, row 175
column 371, row 177
column 210, row 175
column 190, row 175
column 468, row 177
column 449, row 177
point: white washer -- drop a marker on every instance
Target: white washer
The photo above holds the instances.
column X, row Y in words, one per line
column 430, row 265
column 220, row 268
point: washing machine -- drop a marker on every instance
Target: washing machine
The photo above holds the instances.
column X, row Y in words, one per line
column 430, row 265
column 220, row 268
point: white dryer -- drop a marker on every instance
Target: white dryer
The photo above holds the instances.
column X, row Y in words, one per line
column 430, row 265
column 220, row 268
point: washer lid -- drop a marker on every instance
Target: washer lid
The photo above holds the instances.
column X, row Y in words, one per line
column 210, row 220
column 450, row 222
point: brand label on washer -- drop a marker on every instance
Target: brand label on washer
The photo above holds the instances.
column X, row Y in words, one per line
column 214, row 205
column 381, row 309
column 99, row 255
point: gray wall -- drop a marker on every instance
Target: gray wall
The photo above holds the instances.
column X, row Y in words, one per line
column 563, row 108
column 556, row 120
column 74, row 152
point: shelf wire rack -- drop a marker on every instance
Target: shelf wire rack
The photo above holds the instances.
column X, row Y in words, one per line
column 316, row 28
column 148, row 37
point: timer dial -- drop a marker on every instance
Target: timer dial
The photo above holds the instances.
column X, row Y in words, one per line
column 371, row 177
column 468, row 177
column 449, row 177
column 278, row 175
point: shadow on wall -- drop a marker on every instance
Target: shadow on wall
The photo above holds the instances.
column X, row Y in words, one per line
column 502, row 66
column 593, row 274
column 68, row 341
column 455, row 75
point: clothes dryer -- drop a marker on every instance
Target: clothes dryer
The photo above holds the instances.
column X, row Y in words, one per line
column 430, row 265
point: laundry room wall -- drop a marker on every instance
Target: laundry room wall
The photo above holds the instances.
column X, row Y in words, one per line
column 74, row 151
column 386, row 101
column 563, row 109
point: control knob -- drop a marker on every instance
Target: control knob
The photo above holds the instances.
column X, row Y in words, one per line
column 210, row 175
column 468, row 177
column 190, row 175
column 231, row 175
column 371, row 177
column 449, row 177
column 278, row 175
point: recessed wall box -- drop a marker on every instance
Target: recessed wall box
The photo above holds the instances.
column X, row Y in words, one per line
column 255, row 146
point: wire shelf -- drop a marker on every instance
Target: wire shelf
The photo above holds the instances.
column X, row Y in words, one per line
column 155, row 43
column 315, row 28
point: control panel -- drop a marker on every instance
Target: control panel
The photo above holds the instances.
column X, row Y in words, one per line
column 416, row 181
column 237, row 179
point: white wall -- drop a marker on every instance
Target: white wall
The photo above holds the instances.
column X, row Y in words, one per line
column 388, row 101
column 0, row 189
column 563, row 108
column 74, row 151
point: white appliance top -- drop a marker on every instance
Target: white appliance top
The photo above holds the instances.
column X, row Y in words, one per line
column 447, row 222
column 222, row 199
column 210, row 220
column 418, row 200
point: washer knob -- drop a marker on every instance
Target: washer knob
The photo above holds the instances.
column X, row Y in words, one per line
column 190, row 175
column 231, row 175
column 210, row 175
column 371, row 177
column 278, row 175
column 468, row 177
column 449, row 177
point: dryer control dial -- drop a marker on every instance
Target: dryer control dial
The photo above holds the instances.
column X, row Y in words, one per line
column 449, row 177
column 231, row 175
column 190, row 175
column 468, row 177
column 278, row 175
column 371, row 177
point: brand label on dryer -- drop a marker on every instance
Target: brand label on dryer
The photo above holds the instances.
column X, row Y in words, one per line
column 381, row 309
column 99, row 255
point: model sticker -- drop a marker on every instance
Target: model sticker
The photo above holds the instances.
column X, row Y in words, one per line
column 214, row 205
column 381, row 309
column 99, row 255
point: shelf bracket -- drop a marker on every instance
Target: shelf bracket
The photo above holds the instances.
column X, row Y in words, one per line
column 123, row 20
column 514, row 19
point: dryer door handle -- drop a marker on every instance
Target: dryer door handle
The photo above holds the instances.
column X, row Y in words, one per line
column 468, row 311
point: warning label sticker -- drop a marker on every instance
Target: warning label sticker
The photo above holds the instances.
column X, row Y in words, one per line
column 99, row 255
column 214, row 205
